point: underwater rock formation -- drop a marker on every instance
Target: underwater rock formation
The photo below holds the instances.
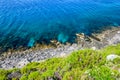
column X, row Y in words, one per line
column 25, row 22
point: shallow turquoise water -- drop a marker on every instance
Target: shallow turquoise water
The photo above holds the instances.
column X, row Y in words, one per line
column 25, row 22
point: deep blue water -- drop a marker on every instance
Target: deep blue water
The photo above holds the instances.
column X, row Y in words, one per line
column 25, row 22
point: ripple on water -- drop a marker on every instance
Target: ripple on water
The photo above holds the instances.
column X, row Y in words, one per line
column 24, row 22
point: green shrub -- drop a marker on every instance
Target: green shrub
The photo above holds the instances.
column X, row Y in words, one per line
column 102, row 73
column 73, row 67
column 47, row 74
column 30, row 67
column 74, row 74
column 14, row 79
column 3, row 74
column 116, row 60
column 24, row 77
column 114, row 49
column 85, row 59
column 34, row 76
column 50, row 64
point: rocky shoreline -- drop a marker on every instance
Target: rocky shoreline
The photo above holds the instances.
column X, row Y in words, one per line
column 96, row 41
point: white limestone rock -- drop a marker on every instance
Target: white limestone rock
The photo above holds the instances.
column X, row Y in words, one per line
column 111, row 57
column 93, row 48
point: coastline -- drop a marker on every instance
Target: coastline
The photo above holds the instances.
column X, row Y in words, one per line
column 20, row 59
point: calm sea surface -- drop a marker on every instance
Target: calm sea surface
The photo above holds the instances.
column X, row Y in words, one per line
column 25, row 22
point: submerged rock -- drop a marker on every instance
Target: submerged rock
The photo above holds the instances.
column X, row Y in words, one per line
column 31, row 42
column 22, row 58
column 63, row 37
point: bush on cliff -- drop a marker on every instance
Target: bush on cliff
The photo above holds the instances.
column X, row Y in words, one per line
column 84, row 64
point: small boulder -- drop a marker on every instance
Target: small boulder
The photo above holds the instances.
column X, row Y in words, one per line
column 118, row 32
column 15, row 75
column 57, row 76
column 93, row 48
column 62, row 55
column 111, row 57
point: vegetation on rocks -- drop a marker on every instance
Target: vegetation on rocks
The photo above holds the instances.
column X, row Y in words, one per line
column 84, row 64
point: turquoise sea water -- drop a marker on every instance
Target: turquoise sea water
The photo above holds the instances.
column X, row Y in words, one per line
column 25, row 22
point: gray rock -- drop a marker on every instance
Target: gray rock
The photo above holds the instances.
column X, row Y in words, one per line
column 21, row 59
column 22, row 63
column 115, row 39
column 16, row 75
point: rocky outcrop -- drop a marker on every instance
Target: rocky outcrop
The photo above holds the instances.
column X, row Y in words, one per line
column 19, row 59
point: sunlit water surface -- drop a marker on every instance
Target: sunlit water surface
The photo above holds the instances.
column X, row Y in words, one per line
column 25, row 22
